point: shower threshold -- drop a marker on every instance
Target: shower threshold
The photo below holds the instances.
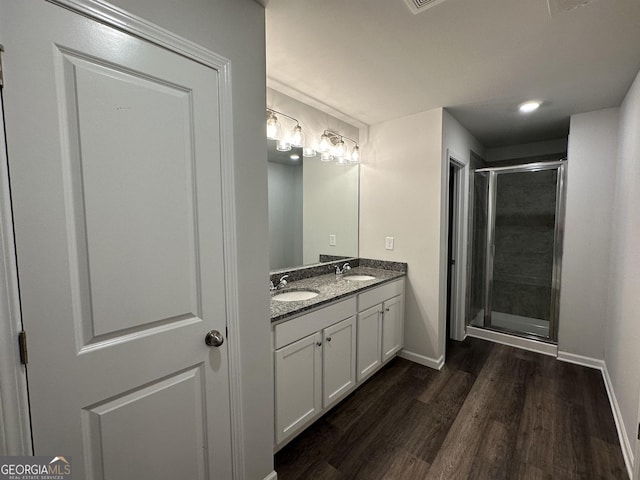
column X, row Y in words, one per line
column 514, row 324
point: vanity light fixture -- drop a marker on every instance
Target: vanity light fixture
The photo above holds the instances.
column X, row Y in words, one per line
column 274, row 129
column 332, row 147
column 530, row 106
column 295, row 139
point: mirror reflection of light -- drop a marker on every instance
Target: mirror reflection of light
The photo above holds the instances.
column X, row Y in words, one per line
column 295, row 157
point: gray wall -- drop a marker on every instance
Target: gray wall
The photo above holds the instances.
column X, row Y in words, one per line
column 285, row 215
column 235, row 29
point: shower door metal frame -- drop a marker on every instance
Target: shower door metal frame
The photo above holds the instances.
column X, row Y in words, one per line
column 560, row 166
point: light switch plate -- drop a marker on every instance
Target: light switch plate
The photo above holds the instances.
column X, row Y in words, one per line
column 332, row 240
column 388, row 243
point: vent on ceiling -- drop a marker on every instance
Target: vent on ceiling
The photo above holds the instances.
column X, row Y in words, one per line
column 419, row 6
column 559, row 6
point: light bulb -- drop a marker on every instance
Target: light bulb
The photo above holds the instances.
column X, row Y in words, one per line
column 297, row 136
column 326, row 157
column 355, row 155
column 340, row 149
column 273, row 127
column 528, row 107
column 325, row 144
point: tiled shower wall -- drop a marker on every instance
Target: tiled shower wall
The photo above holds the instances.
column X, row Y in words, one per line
column 524, row 241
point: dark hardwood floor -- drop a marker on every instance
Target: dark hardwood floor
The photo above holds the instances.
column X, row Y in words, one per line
column 493, row 412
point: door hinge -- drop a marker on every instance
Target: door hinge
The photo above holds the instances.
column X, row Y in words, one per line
column 1, row 69
column 639, row 431
column 22, row 342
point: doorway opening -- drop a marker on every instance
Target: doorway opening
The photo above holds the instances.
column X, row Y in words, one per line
column 454, row 249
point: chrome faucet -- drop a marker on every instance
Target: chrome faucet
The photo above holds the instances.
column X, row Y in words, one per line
column 282, row 284
column 345, row 267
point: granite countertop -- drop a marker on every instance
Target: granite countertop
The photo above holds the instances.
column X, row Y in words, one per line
column 331, row 287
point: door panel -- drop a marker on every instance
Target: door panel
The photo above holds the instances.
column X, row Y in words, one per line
column 114, row 152
column 119, row 427
column 369, row 341
column 338, row 360
column 392, row 327
column 116, row 218
column 298, row 368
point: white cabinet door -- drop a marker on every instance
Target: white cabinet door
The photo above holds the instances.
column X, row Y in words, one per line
column 339, row 360
column 369, row 341
column 298, row 385
column 114, row 148
column 392, row 327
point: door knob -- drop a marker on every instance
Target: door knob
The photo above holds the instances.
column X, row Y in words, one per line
column 214, row 338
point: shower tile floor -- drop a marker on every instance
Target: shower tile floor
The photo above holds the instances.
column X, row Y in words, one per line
column 493, row 412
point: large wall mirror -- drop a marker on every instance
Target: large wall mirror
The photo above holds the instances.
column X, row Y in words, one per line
column 313, row 204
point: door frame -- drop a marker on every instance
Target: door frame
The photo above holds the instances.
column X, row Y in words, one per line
column 10, row 321
column 459, row 287
column 15, row 423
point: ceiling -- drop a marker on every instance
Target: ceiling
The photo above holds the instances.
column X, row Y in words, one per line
column 374, row 60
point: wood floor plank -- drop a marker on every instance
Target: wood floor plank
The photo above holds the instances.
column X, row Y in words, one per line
column 406, row 466
column 493, row 412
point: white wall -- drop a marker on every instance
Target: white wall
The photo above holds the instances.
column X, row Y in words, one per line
column 400, row 197
column 235, row 29
column 587, row 238
column 622, row 328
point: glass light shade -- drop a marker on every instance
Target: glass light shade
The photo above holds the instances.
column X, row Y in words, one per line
column 284, row 145
column 340, row 149
column 355, row 155
column 326, row 157
column 309, row 152
column 341, row 161
column 274, row 128
column 325, row 144
column 297, row 136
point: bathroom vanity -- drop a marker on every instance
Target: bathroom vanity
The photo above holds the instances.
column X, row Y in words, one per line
column 326, row 346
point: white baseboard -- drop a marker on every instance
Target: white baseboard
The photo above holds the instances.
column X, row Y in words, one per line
column 627, row 449
column 513, row 341
column 581, row 360
column 272, row 476
column 434, row 363
column 625, row 444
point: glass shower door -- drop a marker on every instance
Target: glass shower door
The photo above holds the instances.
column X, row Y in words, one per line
column 515, row 249
column 521, row 294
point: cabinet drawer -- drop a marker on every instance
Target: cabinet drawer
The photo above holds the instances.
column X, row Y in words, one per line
column 379, row 294
column 312, row 322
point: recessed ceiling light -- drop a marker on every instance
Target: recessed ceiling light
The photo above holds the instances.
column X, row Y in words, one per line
column 528, row 107
column 295, row 157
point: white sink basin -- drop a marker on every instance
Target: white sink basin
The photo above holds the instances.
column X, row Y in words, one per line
column 359, row 278
column 295, row 295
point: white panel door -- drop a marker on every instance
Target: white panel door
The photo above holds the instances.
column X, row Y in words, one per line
column 392, row 327
column 298, row 379
column 114, row 155
column 338, row 360
column 369, row 341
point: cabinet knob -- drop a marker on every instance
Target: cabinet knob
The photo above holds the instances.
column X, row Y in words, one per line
column 386, row 309
column 319, row 344
column 328, row 339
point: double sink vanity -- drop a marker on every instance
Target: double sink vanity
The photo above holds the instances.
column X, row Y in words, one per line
column 330, row 332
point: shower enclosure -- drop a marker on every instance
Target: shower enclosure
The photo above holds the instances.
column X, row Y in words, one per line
column 516, row 227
